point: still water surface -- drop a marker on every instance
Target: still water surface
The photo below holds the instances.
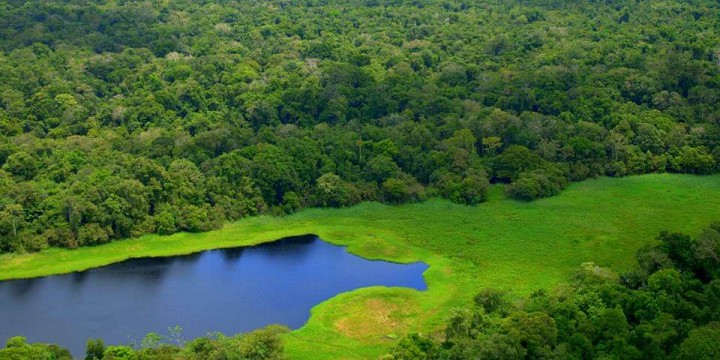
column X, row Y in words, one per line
column 231, row 290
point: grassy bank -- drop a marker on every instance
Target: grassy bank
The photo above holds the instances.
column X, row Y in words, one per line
column 502, row 243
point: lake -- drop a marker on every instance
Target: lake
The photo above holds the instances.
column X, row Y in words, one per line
column 229, row 290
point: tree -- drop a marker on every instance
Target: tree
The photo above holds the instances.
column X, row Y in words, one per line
column 186, row 183
column 395, row 190
column 193, row 218
column 119, row 353
column 502, row 125
column 707, row 247
column 95, row 127
column 679, row 248
column 381, row 168
column 166, row 219
column 492, row 301
column 93, row 234
column 331, row 190
column 12, row 216
column 515, row 160
column 536, row 332
column 265, row 343
column 95, row 349
column 536, row 184
column 491, row 144
column 273, row 172
column 701, row 344
column 18, row 349
column 693, row 160
column 473, row 189
column 414, row 347
column 22, row 165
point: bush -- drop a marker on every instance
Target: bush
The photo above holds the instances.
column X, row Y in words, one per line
column 693, row 160
column 93, row 234
column 94, row 349
column 395, row 190
column 119, row 353
column 165, row 220
column 16, row 342
column 331, row 190
column 515, row 160
column 469, row 189
column 194, row 218
column 398, row 190
column 473, row 189
column 536, row 184
column 61, row 237
column 263, row 343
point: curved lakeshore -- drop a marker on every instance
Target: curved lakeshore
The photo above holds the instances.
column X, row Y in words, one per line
column 230, row 290
column 502, row 243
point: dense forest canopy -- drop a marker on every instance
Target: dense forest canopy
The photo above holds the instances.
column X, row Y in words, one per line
column 121, row 118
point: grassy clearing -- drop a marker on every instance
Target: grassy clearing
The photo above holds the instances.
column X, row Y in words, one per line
column 502, row 243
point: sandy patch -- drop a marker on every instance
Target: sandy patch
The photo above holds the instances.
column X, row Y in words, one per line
column 376, row 318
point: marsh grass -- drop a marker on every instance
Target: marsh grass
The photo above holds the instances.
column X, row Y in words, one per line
column 520, row 247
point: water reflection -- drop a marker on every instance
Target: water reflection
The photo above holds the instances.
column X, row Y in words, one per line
column 232, row 255
column 231, row 290
column 21, row 289
column 79, row 277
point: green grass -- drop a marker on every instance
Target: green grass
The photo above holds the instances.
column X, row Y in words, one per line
column 505, row 244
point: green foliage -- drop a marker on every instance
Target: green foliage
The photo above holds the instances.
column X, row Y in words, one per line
column 331, row 190
column 95, row 349
column 16, row 342
column 21, row 165
column 119, row 353
column 701, row 344
column 261, row 344
column 669, row 316
column 142, row 117
column 514, row 246
column 119, row 119
column 264, row 343
column 473, row 189
column 492, row 301
column 536, row 184
column 514, row 161
column 92, row 234
column 694, row 161
column 17, row 348
column 414, row 347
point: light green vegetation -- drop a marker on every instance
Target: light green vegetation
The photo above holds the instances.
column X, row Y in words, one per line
column 502, row 244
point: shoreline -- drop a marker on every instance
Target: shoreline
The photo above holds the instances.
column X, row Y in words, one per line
column 506, row 244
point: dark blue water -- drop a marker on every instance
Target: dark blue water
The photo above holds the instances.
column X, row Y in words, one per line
column 231, row 291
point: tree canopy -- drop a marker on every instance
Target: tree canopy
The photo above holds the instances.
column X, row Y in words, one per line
column 122, row 118
column 666, row 308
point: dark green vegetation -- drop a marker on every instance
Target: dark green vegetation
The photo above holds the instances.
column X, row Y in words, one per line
column 17, row 348
column 668, row 307
column 119, row 119
column 263, row 344
column 505, row 244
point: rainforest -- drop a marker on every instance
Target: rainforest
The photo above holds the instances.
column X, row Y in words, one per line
column 552, row 162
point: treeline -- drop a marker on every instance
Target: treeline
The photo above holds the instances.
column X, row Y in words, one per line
column 119, row 118
column 667, row 308
column 262, row 344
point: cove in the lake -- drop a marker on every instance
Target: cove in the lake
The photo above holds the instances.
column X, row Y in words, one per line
column 230, row 290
